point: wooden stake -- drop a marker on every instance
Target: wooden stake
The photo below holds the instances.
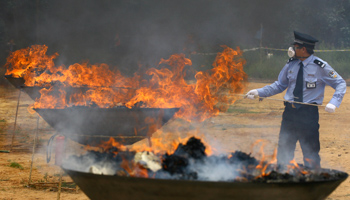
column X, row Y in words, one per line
column 59, row 185
column 14, row 126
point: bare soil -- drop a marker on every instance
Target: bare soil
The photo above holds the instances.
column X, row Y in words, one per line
column 245, row 122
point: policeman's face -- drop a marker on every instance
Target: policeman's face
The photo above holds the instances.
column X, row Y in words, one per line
column 299, row 51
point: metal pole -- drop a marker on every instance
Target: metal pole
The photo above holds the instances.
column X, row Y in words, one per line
column 14, row 126
column 309, row 104
column 35, row 138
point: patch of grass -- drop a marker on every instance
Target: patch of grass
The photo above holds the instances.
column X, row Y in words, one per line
column 6, row 179
column 23, row 137
column 68, row 185
column 46, row 176
column 42, row 141
column 58, row 175
column 16, row 165
column 2, row 120
column 24, row 181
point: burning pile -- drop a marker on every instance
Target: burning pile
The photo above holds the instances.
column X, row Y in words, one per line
column 190, row 162
column 97, row 85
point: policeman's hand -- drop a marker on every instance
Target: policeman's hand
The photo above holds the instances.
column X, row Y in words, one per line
column 252, row 94
column 330, row 108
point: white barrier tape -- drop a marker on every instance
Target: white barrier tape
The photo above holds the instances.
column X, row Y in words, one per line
column 331, row 50
column 257, row 48
column 314, row 50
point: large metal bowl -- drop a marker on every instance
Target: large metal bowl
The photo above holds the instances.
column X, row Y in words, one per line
column 117, row 187
column 34, row 91
column 17, row 82
column 92, row 125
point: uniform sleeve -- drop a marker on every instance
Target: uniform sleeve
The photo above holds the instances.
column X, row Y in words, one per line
column 278, row 86
column 333, row 79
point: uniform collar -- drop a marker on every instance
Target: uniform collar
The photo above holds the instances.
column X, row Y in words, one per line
column 307, row 60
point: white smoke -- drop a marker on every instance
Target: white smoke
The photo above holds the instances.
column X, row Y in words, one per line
column 213, row 171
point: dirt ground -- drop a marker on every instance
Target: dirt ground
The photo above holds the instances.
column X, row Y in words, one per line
column 244, row 123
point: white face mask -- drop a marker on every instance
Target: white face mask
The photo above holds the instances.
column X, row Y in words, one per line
column 291, row 52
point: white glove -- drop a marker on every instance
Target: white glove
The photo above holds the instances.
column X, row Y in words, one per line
column 330, row 108
column 252, row 94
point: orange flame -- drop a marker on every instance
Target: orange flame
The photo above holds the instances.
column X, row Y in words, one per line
column 23, row 62
column 52, row 98
column 134, row 169
column 265, row 161
column 295, row 165
column 105, row 88
column 112, row 143
column 165, row 143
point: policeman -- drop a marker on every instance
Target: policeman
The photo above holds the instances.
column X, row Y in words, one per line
column 305, row 77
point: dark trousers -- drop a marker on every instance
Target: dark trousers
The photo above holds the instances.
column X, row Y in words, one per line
column 299, row 125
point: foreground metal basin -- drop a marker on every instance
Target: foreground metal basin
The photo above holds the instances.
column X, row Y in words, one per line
column 118, row 187
column 92, row 125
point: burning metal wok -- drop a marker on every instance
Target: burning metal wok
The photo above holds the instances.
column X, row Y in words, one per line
column 92, row 125
column 17, row 82
column 112, row 187
column 34, row 92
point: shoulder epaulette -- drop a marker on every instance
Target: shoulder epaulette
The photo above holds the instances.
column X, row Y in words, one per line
column 290, row 60
column 319, row 63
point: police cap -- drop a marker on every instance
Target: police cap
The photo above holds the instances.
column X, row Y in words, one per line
column 304, row 40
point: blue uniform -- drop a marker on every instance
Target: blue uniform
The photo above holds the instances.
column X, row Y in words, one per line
column 300, row 123
column 317, row 73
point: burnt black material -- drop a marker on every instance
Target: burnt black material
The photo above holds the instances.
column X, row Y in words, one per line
column 92, row 125
column 240, row 157
column 174, row 164
column 194, row 148
column 194, row 151
column 112, row 187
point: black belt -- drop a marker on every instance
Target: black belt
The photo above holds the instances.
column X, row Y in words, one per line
column 286, row 103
